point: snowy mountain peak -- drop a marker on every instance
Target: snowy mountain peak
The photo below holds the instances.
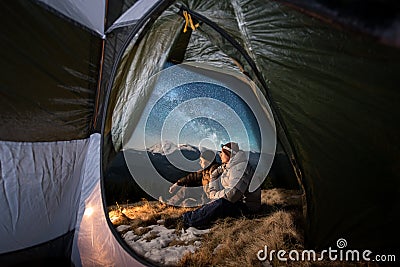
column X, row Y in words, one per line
column 167, row 147
column 188, row 147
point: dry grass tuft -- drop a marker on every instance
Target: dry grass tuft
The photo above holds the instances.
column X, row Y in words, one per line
column 234, row 241
column 141, row 230
column 151, row 236
column 281, row 197
column 144, row 213
column 180, row 243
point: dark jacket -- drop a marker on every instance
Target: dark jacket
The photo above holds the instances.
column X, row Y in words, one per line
column 200, row 178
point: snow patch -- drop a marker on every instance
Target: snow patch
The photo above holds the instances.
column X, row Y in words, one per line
column 162, row 245
column 122, row 228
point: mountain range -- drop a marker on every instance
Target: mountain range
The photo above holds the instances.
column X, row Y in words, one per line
column 118, row 178
column 167, row 147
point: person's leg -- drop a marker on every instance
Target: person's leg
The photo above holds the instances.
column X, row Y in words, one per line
column 203, row 216
column 194, row 198
column 186, row 198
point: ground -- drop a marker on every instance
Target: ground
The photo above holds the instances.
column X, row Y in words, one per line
column 152, row 229
column 154, row 232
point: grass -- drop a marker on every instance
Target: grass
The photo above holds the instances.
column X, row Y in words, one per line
column 144, row 213
column 232, row 241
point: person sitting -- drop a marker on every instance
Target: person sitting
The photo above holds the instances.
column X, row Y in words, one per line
column 208, row 164
column 229, row 190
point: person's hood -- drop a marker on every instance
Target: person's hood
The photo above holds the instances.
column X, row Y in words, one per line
column 239, row 157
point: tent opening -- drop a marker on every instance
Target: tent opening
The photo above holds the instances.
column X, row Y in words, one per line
column 177, row 124
column 178, row 92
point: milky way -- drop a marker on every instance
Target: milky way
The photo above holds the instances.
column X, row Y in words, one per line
column 204, row 117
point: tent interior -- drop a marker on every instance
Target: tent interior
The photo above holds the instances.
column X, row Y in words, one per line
column 313, row 75
column 71, row 91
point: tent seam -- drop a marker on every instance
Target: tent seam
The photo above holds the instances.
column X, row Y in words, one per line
column 242, row 27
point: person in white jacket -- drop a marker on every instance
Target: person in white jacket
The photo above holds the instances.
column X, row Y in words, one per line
column 229, row 190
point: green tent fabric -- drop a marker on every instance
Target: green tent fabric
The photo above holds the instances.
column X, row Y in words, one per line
column 69, row 92
column 36, row 57
column 329, row 87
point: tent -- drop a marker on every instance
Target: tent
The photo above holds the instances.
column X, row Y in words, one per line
column 70, row 72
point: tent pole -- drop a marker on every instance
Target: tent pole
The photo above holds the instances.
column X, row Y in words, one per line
column 96, row 108
column 103, row 42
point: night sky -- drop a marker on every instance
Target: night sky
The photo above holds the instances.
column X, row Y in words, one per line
column 200, row 113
